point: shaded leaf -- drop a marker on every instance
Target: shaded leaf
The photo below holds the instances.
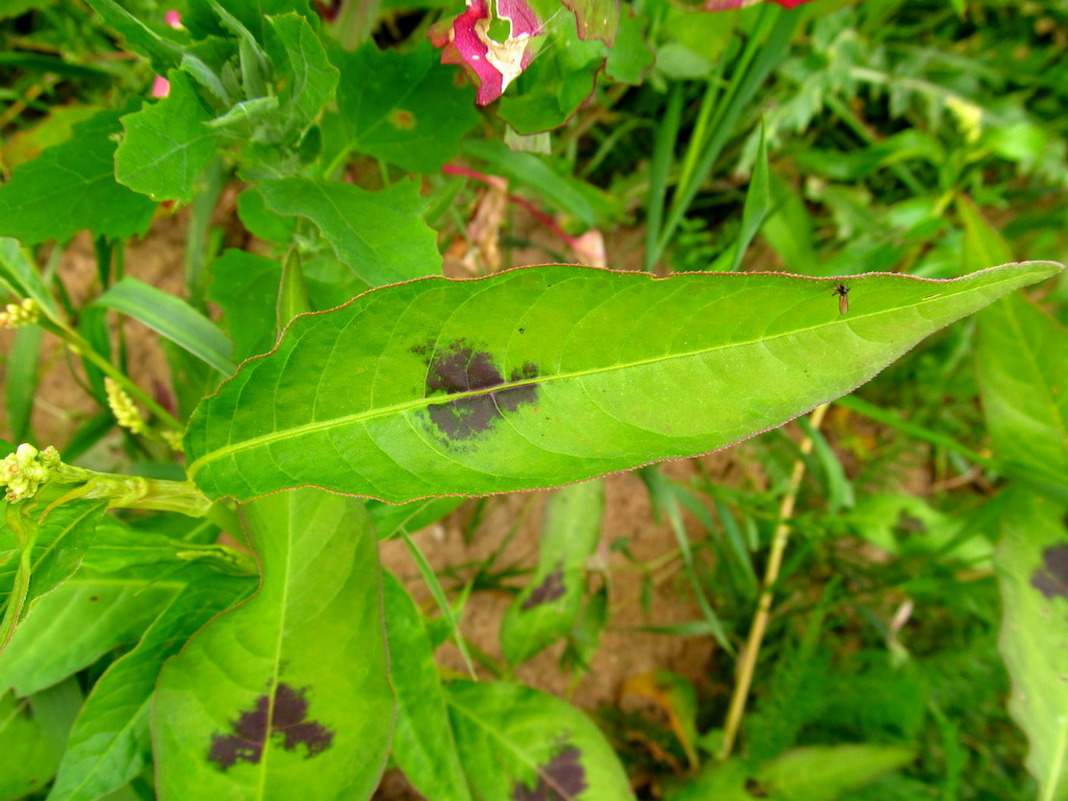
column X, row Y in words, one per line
column 291, row 688
column 56, row 545
column 381, row 236
column 548, row 375
column 80, row 621
column 423, row 745
column 245, row 286
column 71, row 186
column 29, row 755
column 547, row 607
column 1032, row 567
column 517, row 743
column 109, row 744
column 167, row 144
column 311, row 78
column 822, row 773
column 1022, row 366
column 403, row 107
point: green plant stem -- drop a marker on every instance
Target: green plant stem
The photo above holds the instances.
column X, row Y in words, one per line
column 82, row 347
column 771, row 575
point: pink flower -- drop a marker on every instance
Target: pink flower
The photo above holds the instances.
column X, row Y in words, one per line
column 492, row 64
column 161, row 87
column 173, row 19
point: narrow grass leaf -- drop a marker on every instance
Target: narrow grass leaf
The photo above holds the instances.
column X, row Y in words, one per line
column 172, row 318
column 544, row 376
column 20, row 380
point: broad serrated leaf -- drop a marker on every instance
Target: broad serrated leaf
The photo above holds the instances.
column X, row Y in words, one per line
column 547, row 607
column 1031, row 561
column 71, row 187
column 167, row 144
column 423, row 744
column 518, row 743
column 381, row 236
column 544, row 376
column 290, row 689
column 311, row 78
column 404, row 107
column 109, row 743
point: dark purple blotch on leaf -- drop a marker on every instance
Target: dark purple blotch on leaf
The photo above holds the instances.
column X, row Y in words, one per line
column 755, row 789
column 256, row 726
column 907, row 525
column 562, row 779
column 1052, row 578
column 460, row 368
column 551, row 588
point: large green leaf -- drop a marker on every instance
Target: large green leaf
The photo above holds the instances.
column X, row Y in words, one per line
column 72, row 186
column 1022, row 365
column 548, row 606
column 381, row 236
column 547, row 375
column 109, row 744
column 518, row 743
column 423, row 743
column 167, row 144
column 1032, row 566
column 291, row 689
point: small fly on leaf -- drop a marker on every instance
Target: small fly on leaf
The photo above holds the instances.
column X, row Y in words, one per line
column 842, row 291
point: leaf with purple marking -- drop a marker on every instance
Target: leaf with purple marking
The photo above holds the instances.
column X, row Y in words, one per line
column 290, row 689
column 1031, row 562
column 544, row 376
column 520, row 744
column 546, row 609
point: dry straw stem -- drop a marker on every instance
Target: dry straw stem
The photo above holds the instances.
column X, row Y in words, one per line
column 771, row 575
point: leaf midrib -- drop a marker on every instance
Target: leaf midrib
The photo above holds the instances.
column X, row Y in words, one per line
column 371, row 414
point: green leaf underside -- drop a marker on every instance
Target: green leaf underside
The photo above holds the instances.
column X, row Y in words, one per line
column 548, row 375
column 1031, row 562
column 290, row 689
column 518, row 743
